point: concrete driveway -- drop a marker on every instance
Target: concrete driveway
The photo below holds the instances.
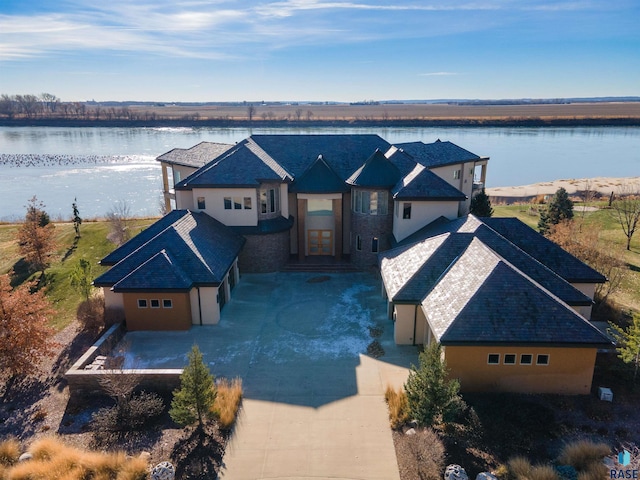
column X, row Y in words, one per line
column 314, row 401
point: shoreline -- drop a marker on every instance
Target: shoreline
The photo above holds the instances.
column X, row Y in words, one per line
column 525, row 193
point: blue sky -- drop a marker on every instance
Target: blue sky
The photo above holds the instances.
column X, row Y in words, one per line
column 217, row 50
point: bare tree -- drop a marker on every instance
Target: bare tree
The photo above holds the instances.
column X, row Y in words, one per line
column 50, row 102
column 309, row 115
column 298, row 114
column 8, row 106
column 119, row 218
column 626, row 210
column 251, row 111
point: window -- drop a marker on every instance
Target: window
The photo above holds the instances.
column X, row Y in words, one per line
column 167, row 303
column 526, row 359
column 176, row 176
column 406, row 210
column 456, row 174
column 237, row 203
column 227, row 203
column 201, row 204
column 247, row 203
column 269, row 201
column 319, row 207
column 358, row 242
column 374, row 244
column 493, row 359
column 509, row 358
column 542, row 359
column 155, row 303
column 372, row 203
column 142, row 303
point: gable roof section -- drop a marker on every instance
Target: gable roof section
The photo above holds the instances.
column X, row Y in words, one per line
column 198, row 246
column 242, row 166
column 157, row 273
column 482, row 299
column 377, row 171
column 196, row 156
column 545, row 251
column 437, row 154
column 423, row 184
column 343, row 153
column 319, row 178
column 460, row 233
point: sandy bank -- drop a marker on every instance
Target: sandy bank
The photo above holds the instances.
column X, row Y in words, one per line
column 604, row 185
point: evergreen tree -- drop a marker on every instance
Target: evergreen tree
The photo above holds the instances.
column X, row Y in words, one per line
column 77, row 220
column 431, row 395
column 195, row 397
column 82, row 276
column 481, row 205
column 628, row 341
column 560, row 208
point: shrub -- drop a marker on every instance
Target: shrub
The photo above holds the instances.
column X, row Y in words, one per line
column 398, row 407
column 9, row 452
column 91, row 314
column 519, row 467
column 582, row 454
column 543, row 472
column 227, row 402
column 426, row 448
column 430, row 394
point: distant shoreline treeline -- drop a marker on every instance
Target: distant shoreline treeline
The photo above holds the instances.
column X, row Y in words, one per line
column 270, row 123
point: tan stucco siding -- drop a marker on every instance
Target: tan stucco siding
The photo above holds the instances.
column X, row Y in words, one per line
column 569, row 371
column 178, row 317
column 209, row 305
column 184, row 200
column 214, row 203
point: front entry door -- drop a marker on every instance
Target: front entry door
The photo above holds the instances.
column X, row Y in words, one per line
column 320, row 242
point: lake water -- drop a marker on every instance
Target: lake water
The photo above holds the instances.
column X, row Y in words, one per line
column 102, row 166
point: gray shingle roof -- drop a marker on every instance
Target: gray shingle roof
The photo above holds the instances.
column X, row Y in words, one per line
column 459, row 234
column 376, row 172
column 196, row 156
column 545, row 251
column 244, row 165
column 482, row 299
column 195, row 244
column 437, row 154
column 423, row 184
column 319, row 178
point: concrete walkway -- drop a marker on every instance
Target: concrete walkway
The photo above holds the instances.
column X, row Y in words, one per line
column 314, row 401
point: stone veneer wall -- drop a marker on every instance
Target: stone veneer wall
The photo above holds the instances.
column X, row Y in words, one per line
column 265, row 253
column 83, row 379
column 368, row 227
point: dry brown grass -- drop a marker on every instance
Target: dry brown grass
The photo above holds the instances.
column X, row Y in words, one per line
column 398, row 406
column 582, row 455
column 543, row 472
column 227, row 401
column 9, row 452
column 52, row 459
column 519, row 467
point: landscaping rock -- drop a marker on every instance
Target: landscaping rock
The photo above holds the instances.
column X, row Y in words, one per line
column 486, row 476
column 163, row 471
column 411, row 431
column 455, row 472
column 24, row 457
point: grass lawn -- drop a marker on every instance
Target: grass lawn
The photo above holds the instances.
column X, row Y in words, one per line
column 92, row 245
column 610, row 231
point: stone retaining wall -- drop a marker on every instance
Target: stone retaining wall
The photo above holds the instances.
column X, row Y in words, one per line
column 84, row 376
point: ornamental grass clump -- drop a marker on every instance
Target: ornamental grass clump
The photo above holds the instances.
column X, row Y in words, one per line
column 227, row 402
column 398, row 407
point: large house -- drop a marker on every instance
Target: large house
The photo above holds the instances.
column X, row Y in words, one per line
column 493, row 290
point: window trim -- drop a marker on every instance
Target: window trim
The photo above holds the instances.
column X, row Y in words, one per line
column 156, row 301
column 522, row 355
column 456, row 174
column 358, row 243
column 406, row 210
column 167, row 303
column 228, row 203
column 515, row 358
column 375, row 245
column 497, row 358
column 538, row 357
column 201, row 202
column 247, row 203
column 142, row 303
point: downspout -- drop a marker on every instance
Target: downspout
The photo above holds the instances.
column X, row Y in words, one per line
column 199, row 306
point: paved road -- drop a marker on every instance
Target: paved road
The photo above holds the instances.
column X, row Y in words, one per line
column 314, row 404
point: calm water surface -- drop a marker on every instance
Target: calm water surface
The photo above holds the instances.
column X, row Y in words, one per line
column 102, row 166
